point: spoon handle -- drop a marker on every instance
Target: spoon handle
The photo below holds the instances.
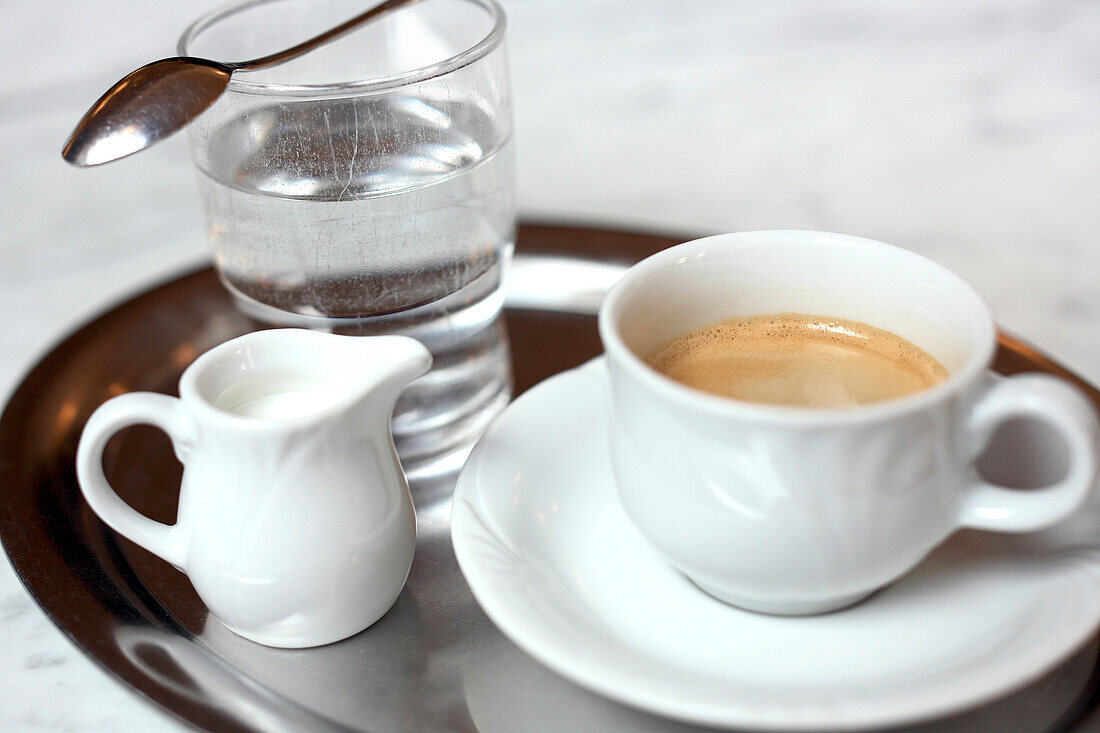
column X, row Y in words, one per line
column 329, row 35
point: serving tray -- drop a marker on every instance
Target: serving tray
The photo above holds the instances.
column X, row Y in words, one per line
column 434, row 662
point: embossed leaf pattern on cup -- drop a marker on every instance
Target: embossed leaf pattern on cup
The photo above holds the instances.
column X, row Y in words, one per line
column 747, row 479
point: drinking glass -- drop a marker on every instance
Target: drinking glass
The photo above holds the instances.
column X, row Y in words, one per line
column 367, row 188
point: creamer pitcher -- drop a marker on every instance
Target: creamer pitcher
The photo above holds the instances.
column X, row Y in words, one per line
column 295, row 522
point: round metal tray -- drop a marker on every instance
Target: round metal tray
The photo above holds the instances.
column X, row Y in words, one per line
column 434, row 662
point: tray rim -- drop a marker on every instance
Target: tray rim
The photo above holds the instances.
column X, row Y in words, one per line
column 71, row 340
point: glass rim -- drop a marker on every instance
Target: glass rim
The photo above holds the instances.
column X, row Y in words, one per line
column 471, row 54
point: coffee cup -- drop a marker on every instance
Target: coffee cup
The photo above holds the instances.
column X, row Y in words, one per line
column 802, row 510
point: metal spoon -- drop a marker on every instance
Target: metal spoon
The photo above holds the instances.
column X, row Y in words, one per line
column 160, row 98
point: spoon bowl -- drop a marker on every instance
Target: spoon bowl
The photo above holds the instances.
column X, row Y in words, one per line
column 145, row 106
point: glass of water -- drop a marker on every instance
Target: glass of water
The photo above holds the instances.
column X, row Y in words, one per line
column 367, row 188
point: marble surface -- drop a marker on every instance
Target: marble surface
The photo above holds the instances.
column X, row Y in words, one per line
column 967, row 130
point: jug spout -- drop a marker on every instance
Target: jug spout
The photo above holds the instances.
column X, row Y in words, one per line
column 388, row 363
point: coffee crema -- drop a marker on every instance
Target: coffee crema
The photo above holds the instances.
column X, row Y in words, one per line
column 798, row 360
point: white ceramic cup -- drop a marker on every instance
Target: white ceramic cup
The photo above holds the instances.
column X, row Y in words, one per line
column 802, row 510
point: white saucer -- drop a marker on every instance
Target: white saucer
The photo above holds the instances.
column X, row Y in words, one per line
column 553, row 561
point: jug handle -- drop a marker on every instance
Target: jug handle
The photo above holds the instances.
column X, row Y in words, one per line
column 135, row 408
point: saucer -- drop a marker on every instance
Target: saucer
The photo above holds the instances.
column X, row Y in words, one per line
column 549, row 554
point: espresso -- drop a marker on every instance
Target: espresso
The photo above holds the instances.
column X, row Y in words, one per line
column 798, row 360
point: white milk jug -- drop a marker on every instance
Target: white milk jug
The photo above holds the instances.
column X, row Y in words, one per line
column 295, row 522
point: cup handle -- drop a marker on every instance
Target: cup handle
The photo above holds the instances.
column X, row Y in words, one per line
column 135, row 408
column 1051, row 400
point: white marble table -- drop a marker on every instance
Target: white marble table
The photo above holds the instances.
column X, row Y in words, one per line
column 967, row 130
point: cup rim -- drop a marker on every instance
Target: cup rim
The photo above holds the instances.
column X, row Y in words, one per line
column 471, row 54
column 617, row 351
